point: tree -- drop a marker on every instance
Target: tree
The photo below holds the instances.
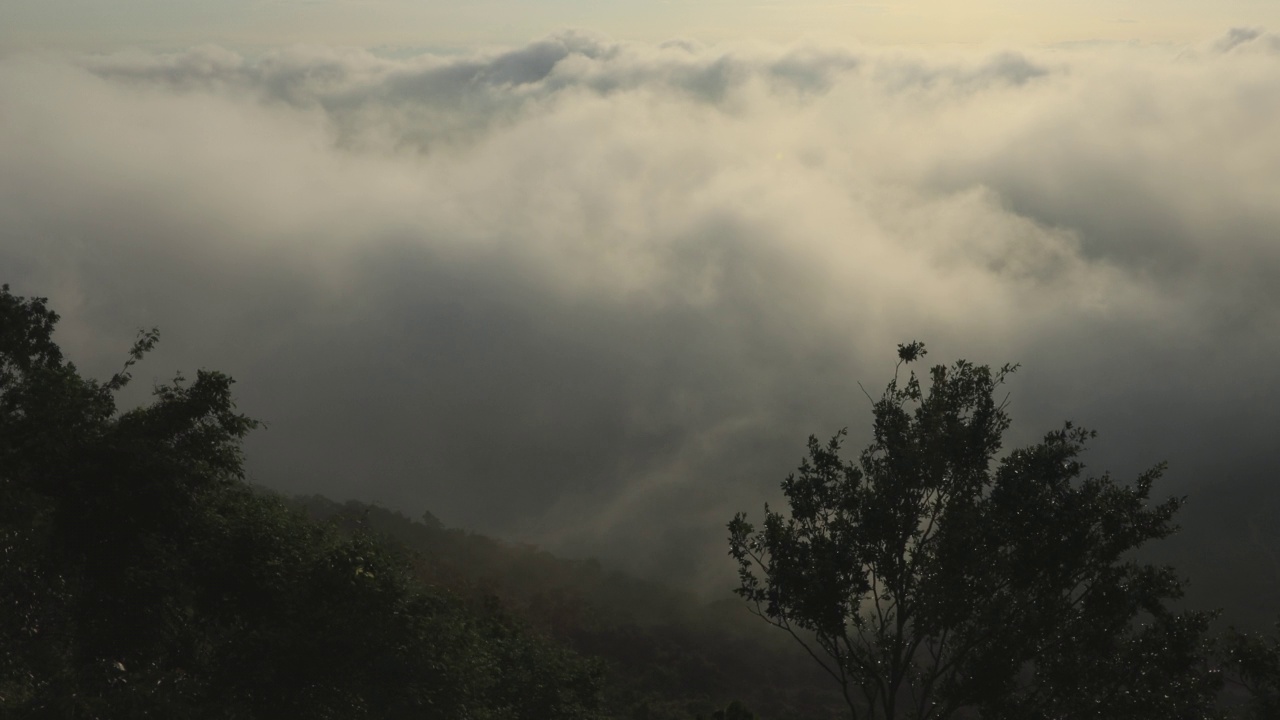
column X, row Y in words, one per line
column 141, row 577
column 937, row 578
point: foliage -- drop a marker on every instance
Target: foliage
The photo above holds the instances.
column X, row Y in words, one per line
column 1252, row 662
column 668, row 655
column 141, row 577
column 936, row 577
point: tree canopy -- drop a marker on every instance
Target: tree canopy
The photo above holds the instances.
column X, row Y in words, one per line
column 939, row 577
column 140, row 576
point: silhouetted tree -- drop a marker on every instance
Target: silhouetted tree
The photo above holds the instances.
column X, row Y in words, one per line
column 141, row 577
column 935, row 577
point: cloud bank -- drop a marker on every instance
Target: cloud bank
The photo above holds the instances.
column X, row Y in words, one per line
column 595, row 295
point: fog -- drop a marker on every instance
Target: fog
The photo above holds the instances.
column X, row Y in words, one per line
column 595, row 294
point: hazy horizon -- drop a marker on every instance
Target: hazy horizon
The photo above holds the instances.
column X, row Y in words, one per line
column 408, row 23
column 593, row 288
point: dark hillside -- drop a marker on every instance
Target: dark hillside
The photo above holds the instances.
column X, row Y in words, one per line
column 665, row 650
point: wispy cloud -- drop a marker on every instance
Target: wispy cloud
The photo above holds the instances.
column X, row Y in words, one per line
column 595, row 294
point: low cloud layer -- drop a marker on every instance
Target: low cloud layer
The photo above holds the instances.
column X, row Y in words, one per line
column 595, row 295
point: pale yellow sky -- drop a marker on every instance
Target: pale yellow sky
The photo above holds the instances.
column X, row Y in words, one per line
column 95, row 24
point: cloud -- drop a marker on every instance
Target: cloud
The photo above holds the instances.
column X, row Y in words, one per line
column 1235, row 38
column 1240, row 40
column 595, row 294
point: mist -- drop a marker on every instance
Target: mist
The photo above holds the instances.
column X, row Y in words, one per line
column 594, row 294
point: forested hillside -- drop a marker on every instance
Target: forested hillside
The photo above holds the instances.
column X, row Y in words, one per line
column 142, row 576
column 667, row 654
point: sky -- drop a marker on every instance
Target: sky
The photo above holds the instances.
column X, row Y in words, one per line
column 587, row 275
column 94, row 24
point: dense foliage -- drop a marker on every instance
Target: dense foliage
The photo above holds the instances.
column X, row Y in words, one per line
column 669, row 656
column 1252, row 662
column 141, row 577
column 936, row 578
